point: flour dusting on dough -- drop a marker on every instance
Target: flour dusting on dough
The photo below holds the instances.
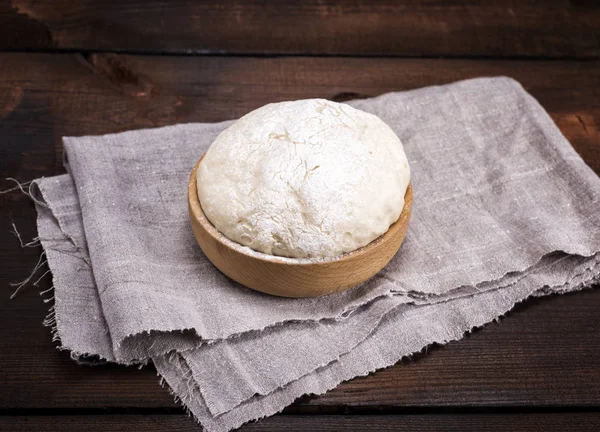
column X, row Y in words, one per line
column 304, row 179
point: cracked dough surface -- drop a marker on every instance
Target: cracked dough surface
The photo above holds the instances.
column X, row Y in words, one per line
column 304, row 179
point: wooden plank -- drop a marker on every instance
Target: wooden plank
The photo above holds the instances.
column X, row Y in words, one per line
column 546, row 353
column 557, row 28
column 547, row 422
column 145, row 91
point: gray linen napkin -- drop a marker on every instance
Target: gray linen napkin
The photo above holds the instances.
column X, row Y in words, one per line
column 503, row 209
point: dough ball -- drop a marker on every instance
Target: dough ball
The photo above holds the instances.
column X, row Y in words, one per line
column 305, row 179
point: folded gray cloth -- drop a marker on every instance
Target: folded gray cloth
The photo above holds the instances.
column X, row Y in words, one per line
column 503, row 209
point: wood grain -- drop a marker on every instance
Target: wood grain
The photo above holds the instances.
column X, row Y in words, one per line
column 74, row 95
column 546, row 353
column 556, row 28
column 549, row 422
column 295, row 278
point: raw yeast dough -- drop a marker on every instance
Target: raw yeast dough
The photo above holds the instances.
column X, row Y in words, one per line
column 304, row 179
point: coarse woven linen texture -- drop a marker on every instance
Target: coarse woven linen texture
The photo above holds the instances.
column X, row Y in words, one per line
column 503, row 209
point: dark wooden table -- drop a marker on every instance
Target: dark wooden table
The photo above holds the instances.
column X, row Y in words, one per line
column 85, row 67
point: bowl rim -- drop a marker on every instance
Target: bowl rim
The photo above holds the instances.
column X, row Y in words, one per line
column 198, row 214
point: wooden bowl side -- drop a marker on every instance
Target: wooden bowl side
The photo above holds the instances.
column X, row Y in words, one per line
column 284, row 277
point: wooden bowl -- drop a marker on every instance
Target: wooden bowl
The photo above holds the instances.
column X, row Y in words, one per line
column 294, row 277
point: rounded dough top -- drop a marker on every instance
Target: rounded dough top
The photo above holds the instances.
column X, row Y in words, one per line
column 305, row 179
